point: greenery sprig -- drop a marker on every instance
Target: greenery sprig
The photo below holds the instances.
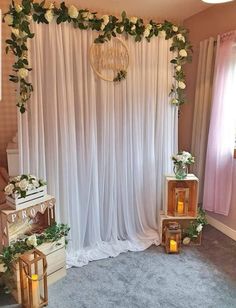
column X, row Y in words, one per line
column 19, row 17
column 196, row 226
column 11, row 253
column 120, row 76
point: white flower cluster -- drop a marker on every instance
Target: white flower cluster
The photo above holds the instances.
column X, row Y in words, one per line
column 183, row 158
column 23, row 183
column 199, row 228
column 32, row 240
column 2, row 268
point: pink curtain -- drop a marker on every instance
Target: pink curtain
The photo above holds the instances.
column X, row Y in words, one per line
column 220, row 148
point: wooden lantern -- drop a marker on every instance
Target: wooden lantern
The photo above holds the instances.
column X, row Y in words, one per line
column 172, row 237
column 33, row 279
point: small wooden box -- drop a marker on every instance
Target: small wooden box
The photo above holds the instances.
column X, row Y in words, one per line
column 33, row 219
column 56, row 260
column 187, row 188
column 32, row 195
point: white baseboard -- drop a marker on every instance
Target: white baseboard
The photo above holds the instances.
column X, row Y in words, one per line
column 221, row 227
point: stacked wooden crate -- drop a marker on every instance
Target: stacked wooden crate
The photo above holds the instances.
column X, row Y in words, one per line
column 187, row 190
column 26, row 219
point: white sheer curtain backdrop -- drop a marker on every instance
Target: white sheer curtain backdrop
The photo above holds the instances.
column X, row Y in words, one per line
column 103, row 147
column 202, row 109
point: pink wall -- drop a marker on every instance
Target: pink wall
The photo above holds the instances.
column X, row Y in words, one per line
column 215, row 20
column 8, row 120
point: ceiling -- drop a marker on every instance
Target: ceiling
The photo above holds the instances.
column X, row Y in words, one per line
column 174, row 10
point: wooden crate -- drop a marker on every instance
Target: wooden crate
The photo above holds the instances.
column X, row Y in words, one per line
column 184, row 223
column 36, row 194
column 56, row 260
column 188, row 185
column 33, row 219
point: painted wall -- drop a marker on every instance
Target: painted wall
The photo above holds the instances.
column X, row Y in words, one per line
column 215, row 20
column 8, row 117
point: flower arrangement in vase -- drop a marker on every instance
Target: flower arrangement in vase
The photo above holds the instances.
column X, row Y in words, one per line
column 181, row 161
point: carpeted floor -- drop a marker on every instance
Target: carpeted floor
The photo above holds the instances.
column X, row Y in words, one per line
column 202, row 276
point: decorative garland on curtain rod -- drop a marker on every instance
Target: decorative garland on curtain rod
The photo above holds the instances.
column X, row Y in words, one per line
column 19, row 17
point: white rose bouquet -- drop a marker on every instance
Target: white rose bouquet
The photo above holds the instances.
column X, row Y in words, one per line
column 183, row 157
column 19, row 185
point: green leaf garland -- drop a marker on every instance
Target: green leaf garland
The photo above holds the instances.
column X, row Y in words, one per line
column 19, row 17
column 11, row 253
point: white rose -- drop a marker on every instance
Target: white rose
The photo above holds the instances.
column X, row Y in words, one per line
column 16, row 32
column 35, row 183
column 181, row 85
column 148, row 26
column 42, row 182
column 178, row 158
column 23, row 34
column 133, row 28
column 175, row 28
column 102, row 26
column 2, row 268
column 49, row 16
column 8, row 19
column 9, row 189
column 28, row 17
column 31, row 187
column 73, row 12
column 174, row 101
column 23, row 73
column 122, row 28
column 186, row 154
column 180, row 37
column 16, row 178
column 162, row 33
column 183, row 53
column 134, row 20
column 146, row 33
column 105, row 19
column 186, row 240
column 23, row 184
column 90, row 16
column 199, row 228
column 178, row 68
column 18, row 8
column 32, row 240
column 85, row 15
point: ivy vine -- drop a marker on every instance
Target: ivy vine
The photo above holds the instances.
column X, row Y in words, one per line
column 11, row 253
column 20, row 15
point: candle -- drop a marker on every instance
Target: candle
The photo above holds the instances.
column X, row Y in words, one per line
column 35, row 291
column 173, row 246
column 180, row 208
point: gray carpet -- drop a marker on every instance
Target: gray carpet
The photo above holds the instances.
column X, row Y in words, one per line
column 202, row 276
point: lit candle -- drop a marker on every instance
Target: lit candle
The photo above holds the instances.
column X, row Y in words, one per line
column 35, row 291
column 180, row 207
column 173, row 246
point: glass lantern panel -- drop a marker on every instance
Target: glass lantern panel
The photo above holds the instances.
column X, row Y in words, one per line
column 181, row 201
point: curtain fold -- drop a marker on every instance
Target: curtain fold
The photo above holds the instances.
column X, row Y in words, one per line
column 103, row 147
column 202, row 109
column 220, row 148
